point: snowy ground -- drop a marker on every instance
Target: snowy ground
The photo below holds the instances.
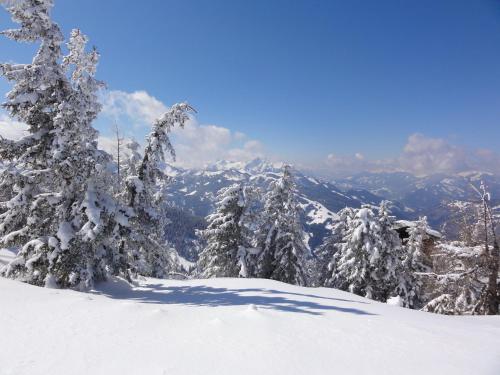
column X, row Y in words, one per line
column 232, row 326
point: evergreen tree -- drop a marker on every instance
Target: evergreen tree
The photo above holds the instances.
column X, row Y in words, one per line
column 226, row 235
column 148, row 252
column 351, row 266
column 415, row 258
column 283, row 251
column 132, row 159
column 413, row 262
column 368, row 262
column 61, row 215
column 388, row 265
column 331, row 245
column 38, row 89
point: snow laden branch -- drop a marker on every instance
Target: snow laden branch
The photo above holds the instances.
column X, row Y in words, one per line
column 157, row 145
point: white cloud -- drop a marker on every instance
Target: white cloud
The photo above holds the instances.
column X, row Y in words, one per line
column 424, row 155
column 139, row 107
column 107, row 144
column 250, row 150
column 421, row 155
column 196, row 145
column 10, row 128
column 240, row 135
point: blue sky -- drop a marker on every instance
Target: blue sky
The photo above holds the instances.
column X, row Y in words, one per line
column 305, row 78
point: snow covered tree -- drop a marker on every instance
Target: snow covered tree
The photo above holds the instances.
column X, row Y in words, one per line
column 331, row 245
column 84, row 247
column 226, row 235
column 491, row 253
column 457, row 283
column 250, row 224
column 146, row 197
column 368, row 261
column 413, row 263
column 132, row 158
column 38, row 89
column 68, row 223
column 65, row 220
column 466, row 292
column 389, row 263
column 461, row 222
column 283, row 252
column 126, row 164
column 351, row 268
column 119, row 155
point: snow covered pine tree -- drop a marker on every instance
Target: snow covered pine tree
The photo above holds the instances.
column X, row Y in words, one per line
column 413, row 262
column 149, row 255
column 38, row 89
column 368, row 261
column 226, row 236
column 283, row 252
column 331, row 245
column 132, row 158
column 389, row 264
column 61, row 216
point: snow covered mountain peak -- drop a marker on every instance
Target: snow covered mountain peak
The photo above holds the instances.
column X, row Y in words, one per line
column 254, row 166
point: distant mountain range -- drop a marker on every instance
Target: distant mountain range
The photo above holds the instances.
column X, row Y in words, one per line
column 429, row 195
column 193, row 192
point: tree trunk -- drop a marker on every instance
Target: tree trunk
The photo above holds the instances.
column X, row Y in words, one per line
column 492, row 291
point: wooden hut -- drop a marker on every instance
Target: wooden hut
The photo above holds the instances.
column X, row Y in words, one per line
column 429, row 243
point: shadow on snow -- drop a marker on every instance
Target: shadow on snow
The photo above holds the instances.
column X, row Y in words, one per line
column 201, row 295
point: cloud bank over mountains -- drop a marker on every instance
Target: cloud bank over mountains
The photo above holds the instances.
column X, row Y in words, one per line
column 200, row 144
column 420, row 155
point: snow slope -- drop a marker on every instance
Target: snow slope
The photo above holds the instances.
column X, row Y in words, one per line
column 232, row 326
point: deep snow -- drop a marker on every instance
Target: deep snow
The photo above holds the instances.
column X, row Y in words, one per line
column 232, row 326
